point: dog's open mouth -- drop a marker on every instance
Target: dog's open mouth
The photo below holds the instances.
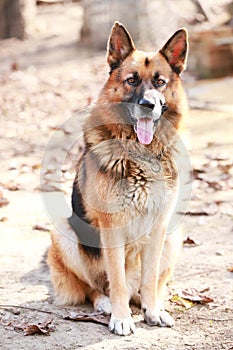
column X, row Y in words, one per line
column 144, row 130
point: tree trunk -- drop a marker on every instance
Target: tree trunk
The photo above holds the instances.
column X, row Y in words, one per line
column 11, row 19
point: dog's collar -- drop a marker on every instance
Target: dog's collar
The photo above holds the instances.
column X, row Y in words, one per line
column 160, row 155
column 149, row 161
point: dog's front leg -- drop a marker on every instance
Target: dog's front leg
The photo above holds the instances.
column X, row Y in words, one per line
column 121, row 321
column 151, row 305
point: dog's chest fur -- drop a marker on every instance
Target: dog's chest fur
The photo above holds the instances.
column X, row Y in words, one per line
column 133, row 182
column 145, row 196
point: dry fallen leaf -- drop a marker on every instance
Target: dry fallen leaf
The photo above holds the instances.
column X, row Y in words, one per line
column 31, row 329
column 3, row 219
column 194, row 296
column 230, row 269
column 3, row 201
column 218, row 157
column 224, row 183
column 50, row 187
column 63, row 128
column 13, row 310
column 215, row 175
column 36, row 166
column 225, row 166
column 96, row 317
column 196, row 173
column 41, row 328
column 190, row 297
column 176, row 299
column 40, row 227
column 10, row 186
column 200, row 208
column 191, row 242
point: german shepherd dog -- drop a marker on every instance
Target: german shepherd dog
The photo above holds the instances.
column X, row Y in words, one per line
column 115, row 249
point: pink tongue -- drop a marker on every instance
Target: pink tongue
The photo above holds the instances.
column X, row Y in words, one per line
column 145, row 130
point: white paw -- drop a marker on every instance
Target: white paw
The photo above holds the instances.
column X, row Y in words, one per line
column 124, row 326
column 103, row 304
column 160, row 318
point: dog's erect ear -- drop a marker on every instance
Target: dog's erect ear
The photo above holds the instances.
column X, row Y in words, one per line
column 176, row 49
column 120, row 45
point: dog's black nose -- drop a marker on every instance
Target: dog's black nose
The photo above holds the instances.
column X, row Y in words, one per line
column 145, row 103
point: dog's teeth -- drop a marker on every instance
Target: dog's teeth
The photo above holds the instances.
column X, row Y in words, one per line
column 135, row 128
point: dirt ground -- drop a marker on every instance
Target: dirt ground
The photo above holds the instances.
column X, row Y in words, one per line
column 43, row 82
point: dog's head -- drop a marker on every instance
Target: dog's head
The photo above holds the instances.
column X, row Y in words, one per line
column 148, row 83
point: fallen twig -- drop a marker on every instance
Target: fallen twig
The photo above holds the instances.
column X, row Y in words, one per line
column 195, row 274
column 214, row 319
column 95, row 317
column 29, row 308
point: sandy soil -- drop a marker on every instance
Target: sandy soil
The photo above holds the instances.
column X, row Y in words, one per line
column 43, row 82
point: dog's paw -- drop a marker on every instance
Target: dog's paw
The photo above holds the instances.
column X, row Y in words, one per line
column 160, row 318
column 124, row 326
column 103, row 304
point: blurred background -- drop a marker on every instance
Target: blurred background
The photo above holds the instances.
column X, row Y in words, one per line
column 149, row 21
column 52, row 55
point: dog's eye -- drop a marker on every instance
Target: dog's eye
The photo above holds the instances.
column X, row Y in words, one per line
column 132, row 81
column 158, row 82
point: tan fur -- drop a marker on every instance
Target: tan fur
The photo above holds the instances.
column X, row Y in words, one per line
column 124, row 197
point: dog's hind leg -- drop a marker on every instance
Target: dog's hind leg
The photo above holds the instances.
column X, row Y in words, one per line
column 69, row 289
column 100, row 301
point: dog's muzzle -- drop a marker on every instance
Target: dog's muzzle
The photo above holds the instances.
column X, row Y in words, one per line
column 149, row 110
